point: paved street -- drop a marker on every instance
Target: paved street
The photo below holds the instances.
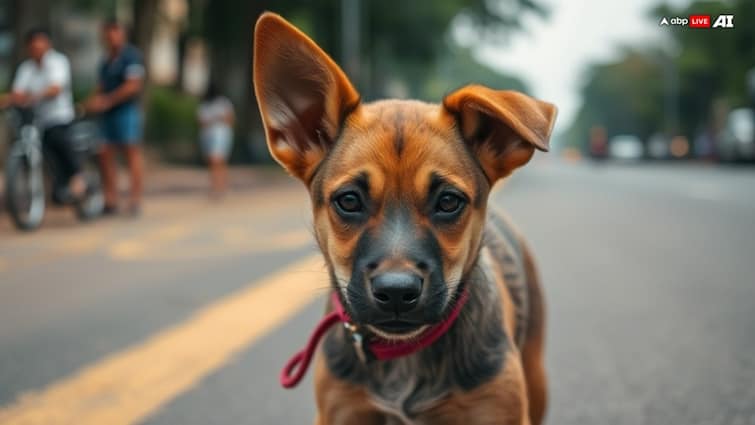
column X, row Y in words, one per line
column 186, row 315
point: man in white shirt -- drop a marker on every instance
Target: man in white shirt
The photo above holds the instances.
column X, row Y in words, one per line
column 43, row 83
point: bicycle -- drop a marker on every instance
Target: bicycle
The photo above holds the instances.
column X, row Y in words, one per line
column 32, row 177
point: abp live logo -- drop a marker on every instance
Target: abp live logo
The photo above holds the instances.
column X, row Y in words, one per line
column 700, row 21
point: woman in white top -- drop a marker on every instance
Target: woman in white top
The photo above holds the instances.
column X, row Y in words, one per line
column 216, row 117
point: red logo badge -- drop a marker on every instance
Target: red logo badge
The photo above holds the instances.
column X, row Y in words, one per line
column 699, row 21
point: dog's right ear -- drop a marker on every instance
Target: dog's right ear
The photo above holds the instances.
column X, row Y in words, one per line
column 304, row 97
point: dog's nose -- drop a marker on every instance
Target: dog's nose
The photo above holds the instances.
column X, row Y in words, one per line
column 396, row 291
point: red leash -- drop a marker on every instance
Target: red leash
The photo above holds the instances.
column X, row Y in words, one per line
column 297, row 366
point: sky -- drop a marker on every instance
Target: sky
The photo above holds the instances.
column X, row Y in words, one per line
column 553, row 53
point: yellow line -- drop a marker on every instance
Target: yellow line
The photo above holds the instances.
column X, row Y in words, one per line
column 126, row 387
column 55, row 249
column 231, row 241
column 83, row 244
column 137, row 246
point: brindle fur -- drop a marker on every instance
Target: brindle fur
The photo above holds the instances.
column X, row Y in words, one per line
column 472, row 354
column 488, row 369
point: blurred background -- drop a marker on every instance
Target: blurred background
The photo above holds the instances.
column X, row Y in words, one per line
column 642, row 217
column 680, row 93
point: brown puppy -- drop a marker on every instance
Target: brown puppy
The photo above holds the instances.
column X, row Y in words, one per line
column 399, row 190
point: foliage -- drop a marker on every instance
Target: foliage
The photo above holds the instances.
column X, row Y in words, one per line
column 625, row 96
column 407, row 39
column 458, row 68
column 410, row 36
column 171, row 116
column 401, row 41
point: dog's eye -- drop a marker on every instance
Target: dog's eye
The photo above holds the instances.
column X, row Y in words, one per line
column 448, row 203
column 349, row 202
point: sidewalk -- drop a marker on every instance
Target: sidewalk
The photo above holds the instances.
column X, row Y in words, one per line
column 162, row 179
column 169, row 182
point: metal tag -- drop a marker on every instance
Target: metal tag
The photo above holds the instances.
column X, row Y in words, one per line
column 358, row 341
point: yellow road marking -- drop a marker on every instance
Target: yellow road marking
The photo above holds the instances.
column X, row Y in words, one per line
column 58, row 249
column 126, row 387
column 82, row 244
column 138, row 246
column 51, row 236
column 232, row 240
column 235, row 235
column 59, row 243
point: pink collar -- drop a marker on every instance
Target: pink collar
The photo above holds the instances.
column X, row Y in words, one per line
column 297, row 366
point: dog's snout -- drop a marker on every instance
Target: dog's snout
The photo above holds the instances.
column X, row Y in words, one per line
column 397, row 292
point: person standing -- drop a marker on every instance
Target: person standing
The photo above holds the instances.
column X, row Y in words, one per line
column 121, row 79
column 216, row 117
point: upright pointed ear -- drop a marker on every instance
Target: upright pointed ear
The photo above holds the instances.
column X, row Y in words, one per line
column 502, row 128
column 304, row 97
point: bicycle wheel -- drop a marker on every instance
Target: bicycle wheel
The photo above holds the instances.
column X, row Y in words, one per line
column 25, row 191
column 94, row 202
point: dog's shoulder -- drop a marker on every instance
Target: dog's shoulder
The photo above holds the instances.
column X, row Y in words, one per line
column 503, row 238
column 503, row 247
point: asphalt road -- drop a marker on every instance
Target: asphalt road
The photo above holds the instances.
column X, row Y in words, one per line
column 186, row 315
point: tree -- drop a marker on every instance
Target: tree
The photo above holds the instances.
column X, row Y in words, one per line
column 144, row 14
column 27, row 14
column 403, row 39
column 458, row 68
column 625, row 96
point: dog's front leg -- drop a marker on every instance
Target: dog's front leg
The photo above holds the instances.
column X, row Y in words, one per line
column 501, row 401
column 340, row 402
column 342, row 416
column 336, row 407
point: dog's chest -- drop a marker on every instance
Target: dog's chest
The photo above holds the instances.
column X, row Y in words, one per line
column 406, row 388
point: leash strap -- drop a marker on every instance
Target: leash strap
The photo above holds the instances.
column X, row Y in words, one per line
column 297, row 366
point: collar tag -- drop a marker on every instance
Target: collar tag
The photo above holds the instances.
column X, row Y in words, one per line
column 357, row 340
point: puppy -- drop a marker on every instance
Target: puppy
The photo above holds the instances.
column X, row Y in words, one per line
column 399, row 190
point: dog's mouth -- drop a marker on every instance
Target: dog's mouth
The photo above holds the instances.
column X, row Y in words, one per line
column 397, row 326
column 397, row 329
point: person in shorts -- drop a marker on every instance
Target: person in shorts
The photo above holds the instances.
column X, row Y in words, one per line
column 216, row 117
column 117, row 97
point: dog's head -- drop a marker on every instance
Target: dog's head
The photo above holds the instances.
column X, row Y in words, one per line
column 399, row 188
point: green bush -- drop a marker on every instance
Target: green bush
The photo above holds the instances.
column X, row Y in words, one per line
column 171, row 117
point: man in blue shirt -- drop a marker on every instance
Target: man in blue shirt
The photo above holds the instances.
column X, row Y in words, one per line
column 121, row 78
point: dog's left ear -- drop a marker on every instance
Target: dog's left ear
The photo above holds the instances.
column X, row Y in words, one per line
column 304, row 97
column 502, row 128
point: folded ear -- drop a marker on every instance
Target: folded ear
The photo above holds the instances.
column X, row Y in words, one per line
column 502, row 128
column 303, row 96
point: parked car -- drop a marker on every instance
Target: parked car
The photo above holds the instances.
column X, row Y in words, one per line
column 626, row 148
column 737, row 140
column 658, row 146
column 598, row 143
